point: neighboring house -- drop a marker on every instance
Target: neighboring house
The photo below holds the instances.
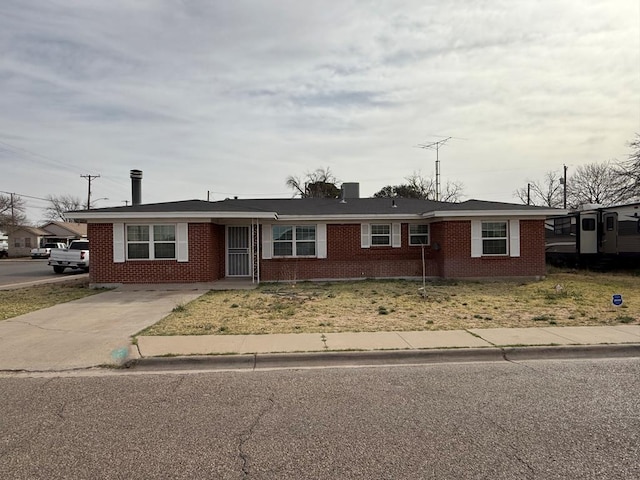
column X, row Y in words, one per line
column 64, row 231
column 314, row 239
column 22, row 239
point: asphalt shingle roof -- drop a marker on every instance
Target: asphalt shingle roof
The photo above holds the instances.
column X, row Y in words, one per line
column 318, row 206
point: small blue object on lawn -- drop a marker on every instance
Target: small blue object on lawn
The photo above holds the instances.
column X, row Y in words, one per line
column 616, row 299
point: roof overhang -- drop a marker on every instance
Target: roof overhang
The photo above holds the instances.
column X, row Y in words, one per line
column 494, row 213
column 84, row 216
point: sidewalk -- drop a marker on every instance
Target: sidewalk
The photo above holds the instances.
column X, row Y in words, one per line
column 492, row 338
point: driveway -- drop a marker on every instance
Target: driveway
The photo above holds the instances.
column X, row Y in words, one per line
column 84, row 333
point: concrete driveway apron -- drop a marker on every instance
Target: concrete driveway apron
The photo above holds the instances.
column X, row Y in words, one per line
column 92, row 331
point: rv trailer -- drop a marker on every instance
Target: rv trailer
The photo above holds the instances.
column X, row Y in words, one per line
column 595, row 236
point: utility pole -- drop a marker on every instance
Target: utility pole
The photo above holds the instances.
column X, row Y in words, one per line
column 436, row 146
column 528, row 194
column 89, row 178
column 13, row 213
column 563, row 181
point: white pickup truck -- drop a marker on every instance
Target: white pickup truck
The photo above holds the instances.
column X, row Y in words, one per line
column 76, row 256
column 45, row 250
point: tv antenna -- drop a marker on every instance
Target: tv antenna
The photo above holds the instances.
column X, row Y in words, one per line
column 436, row 146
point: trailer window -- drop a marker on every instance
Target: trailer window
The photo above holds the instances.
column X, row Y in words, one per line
column 588, row 224
column 610, row 224
column 562, row 226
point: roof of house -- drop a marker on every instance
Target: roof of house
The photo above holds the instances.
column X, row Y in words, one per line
column 79, row 229
column 312, row 207
column 38, row 232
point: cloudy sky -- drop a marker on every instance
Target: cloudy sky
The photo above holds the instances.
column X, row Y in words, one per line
column 232, row 97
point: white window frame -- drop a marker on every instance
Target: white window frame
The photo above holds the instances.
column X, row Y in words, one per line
column 413, row 234
column 294, row 241
column 513, row 237
column 505, row 238
column 151, row 241
column 380, row 235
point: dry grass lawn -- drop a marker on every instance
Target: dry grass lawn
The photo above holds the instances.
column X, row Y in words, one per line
column 563, row 299
column 24, row 300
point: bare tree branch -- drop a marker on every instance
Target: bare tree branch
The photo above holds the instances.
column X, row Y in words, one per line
column 58, row 205
column 418, row 186
column 12, row 212
column 548, row 192
column 321, row 183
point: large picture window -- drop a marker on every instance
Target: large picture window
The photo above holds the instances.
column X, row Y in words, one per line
column 151, row 242
column 494, row 238
column 418, row 234
column 294, row 240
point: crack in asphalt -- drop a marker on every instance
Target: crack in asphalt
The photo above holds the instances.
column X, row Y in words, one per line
column 247, row 436
column 506, row 433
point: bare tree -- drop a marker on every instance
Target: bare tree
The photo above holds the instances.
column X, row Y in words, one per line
column 595, row 183
column 629, row 173
column 321, row 183
column 12, row 212
column 548, row 192
column 453, row 192
column 60, row 204
column 418, row 186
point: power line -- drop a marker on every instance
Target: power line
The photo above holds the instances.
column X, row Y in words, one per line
column 46, row 160
column 23, row 195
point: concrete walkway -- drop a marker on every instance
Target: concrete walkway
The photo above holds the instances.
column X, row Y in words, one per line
column 84, row 333
column 153, row 346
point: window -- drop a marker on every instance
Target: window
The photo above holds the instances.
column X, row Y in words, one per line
column 610, row 223
column 588, row 224
column 562, row 226
column 294, row 240
column 418, row 234
column 380, row 234
column 27, row 242
column 152, row 242
column 494, row 238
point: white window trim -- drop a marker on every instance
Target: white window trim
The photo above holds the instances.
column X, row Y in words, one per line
column 394, row 235
column 268, row 242
column 151, row 242
column 387, row 235
column 428, row 234
column 512, row 238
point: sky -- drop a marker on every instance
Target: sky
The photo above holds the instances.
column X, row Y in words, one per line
column 228, row 99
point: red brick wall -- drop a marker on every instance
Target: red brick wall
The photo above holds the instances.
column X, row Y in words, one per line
column 454, row 258
column 346, row 259
column 206, row 259
column 448, row 256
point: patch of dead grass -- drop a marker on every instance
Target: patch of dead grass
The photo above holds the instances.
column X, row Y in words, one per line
column 24, row 300
column 562, row 299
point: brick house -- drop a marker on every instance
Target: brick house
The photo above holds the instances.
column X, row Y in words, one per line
column 314, row 239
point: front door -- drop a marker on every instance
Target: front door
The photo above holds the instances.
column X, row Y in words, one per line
column 238, row 252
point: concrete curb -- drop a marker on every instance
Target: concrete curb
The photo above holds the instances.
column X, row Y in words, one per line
column 381, row 357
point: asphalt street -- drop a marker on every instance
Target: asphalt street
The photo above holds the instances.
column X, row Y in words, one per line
column 525, row 420
column 17, row 271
